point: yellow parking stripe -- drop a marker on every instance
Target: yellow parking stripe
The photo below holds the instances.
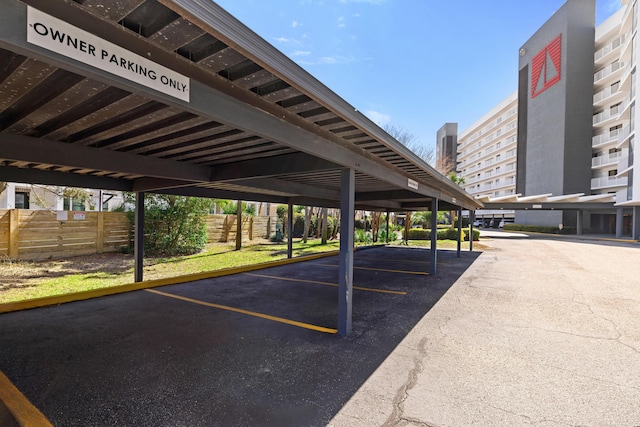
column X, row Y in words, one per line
column 422, row 273
column 22, row 410
column 383, row 291
column 247, row 312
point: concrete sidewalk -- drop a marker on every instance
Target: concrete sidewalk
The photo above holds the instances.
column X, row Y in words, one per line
column 537, row 332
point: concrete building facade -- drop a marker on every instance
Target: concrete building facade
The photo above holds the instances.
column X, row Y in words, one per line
column 555, row 92
column 15, row 195
column 487, row 155
column 575, row 115
column 447, row 148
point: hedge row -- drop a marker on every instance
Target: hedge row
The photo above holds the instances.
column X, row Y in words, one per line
column 443, row 234
column 539, row 229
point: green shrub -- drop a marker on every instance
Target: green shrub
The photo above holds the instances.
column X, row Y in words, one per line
column 539, row 229
column 476, row 235
column 174, row 225
column 393, row 236
column 443, row 234
column 419, row 234
column 362, row 236
column 298, row 224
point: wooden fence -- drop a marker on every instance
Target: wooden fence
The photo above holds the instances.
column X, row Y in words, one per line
column 33, row 235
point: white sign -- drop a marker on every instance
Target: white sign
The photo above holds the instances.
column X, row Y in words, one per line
column 78, row 215
column 58, row 36
column 412, row 184
column 62, row 215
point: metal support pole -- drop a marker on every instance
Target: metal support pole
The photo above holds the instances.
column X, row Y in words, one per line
column 387, row 233
column 619, row 222
column 635, row 229
column 472, row 219
column 239, row 226
column 290, row 231
column 345, row 279
column 138, row 239
column 579, row 223
column 434, row 236
column 459, row 231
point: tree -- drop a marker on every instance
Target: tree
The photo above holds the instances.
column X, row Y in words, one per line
column 308, row 212
column 457, row 179
column 325, row 221
column 375, row 225
column 409, row 140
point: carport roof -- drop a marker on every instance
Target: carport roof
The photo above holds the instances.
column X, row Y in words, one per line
column 576, row 201
column 254, row 125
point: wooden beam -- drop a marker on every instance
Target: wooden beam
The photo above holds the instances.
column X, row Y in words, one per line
column 35, row 150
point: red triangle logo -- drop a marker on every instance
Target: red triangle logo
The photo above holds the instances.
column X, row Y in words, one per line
column 546, row 67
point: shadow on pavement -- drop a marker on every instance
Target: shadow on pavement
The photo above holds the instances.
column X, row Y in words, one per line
column 147, row 360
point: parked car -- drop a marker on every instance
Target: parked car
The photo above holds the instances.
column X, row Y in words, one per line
column 501, row 225
column 478, row 223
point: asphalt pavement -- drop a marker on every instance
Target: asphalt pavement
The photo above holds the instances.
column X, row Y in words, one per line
column 531, row 330
column 252, row 349
column 540, row 330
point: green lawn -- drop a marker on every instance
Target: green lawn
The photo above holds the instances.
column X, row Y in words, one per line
column 28, row 280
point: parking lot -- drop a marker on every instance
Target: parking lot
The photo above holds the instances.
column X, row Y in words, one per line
column 256, row 348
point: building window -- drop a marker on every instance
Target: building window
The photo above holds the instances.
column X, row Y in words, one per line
column 70, row 204
column 22, row 200
column 613, row 172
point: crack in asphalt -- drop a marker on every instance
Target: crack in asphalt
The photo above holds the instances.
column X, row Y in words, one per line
column 397, row 416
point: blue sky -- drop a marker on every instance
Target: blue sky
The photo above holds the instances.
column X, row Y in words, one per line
column 413, row 64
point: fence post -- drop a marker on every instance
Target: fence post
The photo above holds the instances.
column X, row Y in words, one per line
column 268, row 234
column 100, row 233
column 251, row 228
column 14, row 233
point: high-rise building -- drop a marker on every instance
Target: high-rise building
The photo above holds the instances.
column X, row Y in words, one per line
column 555, row 97
column 614, row 118
column 571, row 123
column 447, row 148
column 487, row 155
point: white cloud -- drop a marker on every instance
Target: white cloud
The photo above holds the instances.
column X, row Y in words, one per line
column 295, row 24
column 378, row 118
column 341, row 22
column 328, row 60
column 301, row 53
column 331, row 60
column 284, row 40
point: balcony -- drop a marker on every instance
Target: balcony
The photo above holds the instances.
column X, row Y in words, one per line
column 606, row 160
column 606, row 52
column 607, row 71
column 608, row 182
column 607, row 115
column 607, row 93
column 623, row 136
column 605, row 138
column 623, row 164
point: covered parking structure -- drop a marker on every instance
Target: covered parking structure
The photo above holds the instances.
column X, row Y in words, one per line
column 178, row 97
column 583, row 205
